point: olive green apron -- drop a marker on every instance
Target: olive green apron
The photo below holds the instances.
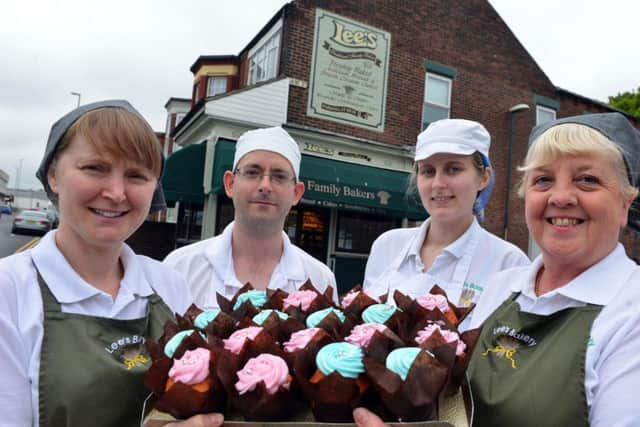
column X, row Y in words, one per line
column 92, row 368
column 528, row 369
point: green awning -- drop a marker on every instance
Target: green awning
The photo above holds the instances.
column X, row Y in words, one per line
column 333, row 183
column 183, row 175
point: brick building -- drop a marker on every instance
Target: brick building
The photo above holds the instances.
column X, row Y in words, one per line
column 354, row 82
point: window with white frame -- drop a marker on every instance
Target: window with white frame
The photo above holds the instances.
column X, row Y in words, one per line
column 437, row 99
column 544, row 114
column 263, row 64
column 216, row 85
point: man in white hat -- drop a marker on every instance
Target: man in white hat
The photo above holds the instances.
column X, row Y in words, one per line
column 254, row 248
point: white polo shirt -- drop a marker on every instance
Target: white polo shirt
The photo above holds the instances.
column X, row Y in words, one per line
column 462, row 269
column 21, row 313
column 612, row 366
column 208, row 268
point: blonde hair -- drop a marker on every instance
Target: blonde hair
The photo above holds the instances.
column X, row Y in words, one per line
column 572, row 139
column 118, row 133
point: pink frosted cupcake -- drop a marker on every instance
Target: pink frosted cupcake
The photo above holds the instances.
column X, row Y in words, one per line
column 305, row 300
column 301, row 339
column 300, row 299
column 440, row 302
column 263, row 389
column 356, row 300
column 375, row 339
column 361, row 334
column 237, row 340
column 449, row 336
column 189, row 387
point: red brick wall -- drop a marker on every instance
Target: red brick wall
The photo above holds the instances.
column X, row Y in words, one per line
column 494, row 72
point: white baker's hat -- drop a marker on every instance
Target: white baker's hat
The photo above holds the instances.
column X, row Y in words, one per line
column 273, row 139
column 454, row 136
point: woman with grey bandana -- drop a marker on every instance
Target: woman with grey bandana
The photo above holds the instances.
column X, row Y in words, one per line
column 75, row 310
column 560, row 345
column 453, row 177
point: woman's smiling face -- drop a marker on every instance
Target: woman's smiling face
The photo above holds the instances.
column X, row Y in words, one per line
column 574, row 208
column 448, row 185
column 102, row 200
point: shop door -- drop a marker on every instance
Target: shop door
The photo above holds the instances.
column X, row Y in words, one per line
column 308, row 228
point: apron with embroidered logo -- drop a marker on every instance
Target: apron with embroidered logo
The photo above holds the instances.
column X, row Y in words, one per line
column 415, row 285
column 529, row 369
column 92, row 368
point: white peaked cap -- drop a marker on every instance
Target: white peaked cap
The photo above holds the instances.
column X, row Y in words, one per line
column 273, row 139
column 453, row 136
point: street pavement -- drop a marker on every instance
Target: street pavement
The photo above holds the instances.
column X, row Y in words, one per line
column 9, row 243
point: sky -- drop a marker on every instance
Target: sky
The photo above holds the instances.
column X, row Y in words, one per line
column 141, row 50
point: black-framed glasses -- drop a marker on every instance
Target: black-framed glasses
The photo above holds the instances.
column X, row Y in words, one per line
column 256, row 174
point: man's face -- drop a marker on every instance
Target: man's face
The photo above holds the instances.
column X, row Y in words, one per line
column 263, row 189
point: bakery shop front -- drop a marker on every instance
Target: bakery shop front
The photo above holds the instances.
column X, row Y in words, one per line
column 347, row 204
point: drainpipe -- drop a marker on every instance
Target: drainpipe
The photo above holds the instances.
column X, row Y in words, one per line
column 507, row 193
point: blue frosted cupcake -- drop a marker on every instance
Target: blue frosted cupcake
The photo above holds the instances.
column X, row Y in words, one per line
column 338, row 384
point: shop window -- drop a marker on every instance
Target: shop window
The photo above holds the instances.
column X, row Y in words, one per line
column 216, row 85
column 544, row 114
column 357, row 231
column 189, row 226
column 225, row 213
column 437, row 99
column 263, row 64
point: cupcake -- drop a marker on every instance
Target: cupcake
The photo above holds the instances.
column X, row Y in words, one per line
column 262, row 389
column 182, row 376
column 262, row 316
column 408, row 383
column 280, row 325
column 332, row 320
column 299, row 299
column 256, row 297
column 213, row 322
column 388, row 315
column 300, row 340
column 450, row 348
column 302, row 346
column 448, row 336
column 375, row 339
column 191, row 369
column 314, row 319
column 438, row 302
column 338, row 385
column 238, row 340
column 305, row 300
column 245, row 303
column 356, row 300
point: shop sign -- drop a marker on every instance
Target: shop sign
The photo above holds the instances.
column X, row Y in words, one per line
column 349, row 72
column 347, row 193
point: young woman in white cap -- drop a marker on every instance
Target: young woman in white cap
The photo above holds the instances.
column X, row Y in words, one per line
column 454, row 179
column 75, row 309
column 254, row 248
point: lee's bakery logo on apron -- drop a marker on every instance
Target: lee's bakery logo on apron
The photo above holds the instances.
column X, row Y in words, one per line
column 128, row 350
column 508, row 340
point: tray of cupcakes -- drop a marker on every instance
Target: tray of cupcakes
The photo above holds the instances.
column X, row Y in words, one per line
column 274, row 358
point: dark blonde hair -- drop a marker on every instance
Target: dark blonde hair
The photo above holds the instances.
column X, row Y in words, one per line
column 572, row 139
column 118, row 133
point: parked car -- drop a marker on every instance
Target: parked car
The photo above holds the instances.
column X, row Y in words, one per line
column 31, row 221
column 5, row 209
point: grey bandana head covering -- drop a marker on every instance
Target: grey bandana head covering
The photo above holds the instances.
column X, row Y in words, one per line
column 60, row 127
column 617, row 129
